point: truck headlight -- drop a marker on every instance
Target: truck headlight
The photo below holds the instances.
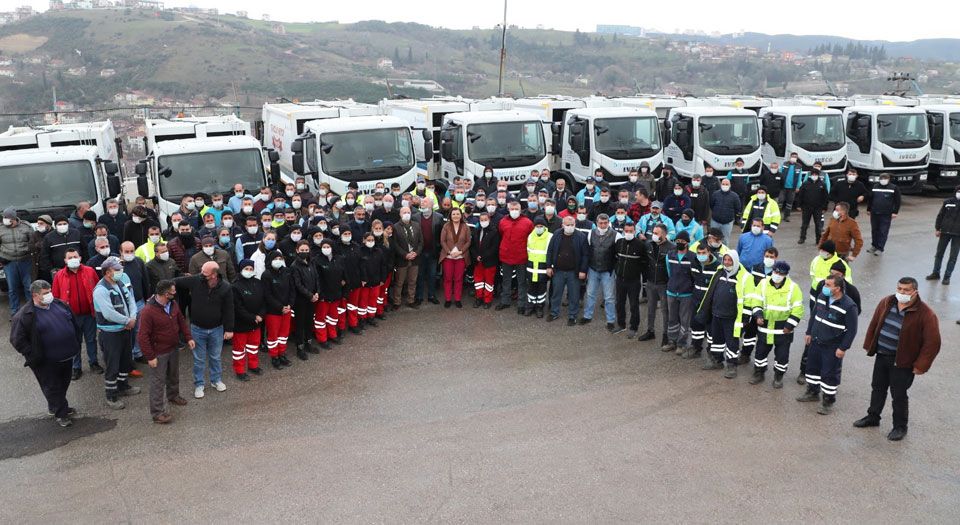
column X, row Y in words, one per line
column 923, row 176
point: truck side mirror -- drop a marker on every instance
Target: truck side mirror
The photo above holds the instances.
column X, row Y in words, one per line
column 114, row 186
column 427, row 135
column 111, row 168
column 428, row 150
column 298, row 163
column 143, row 188
column 297, row 146
column 141, row 169
column 273, row 155
column 447, row 135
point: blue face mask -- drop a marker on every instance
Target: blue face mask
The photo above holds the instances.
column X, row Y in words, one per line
column 826, row 291
column 532, row 205
column 224, row 240
column 359, row 221
column 269, row 244
column 702, row 257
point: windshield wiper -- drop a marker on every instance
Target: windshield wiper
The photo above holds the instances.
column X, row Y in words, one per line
column 355, row 171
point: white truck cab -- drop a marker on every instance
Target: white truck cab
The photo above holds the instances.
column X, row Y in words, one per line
column 943, row 124
column 200, row 154
column 364, row 150
column 49, row 169
column 712, row 135
column 813, row 132
column 886, row 138
column 511, row 142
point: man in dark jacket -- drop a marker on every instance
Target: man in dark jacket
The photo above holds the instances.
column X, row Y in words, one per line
column 883, row 207
column 485, row 250
column 55, row 246
column 162, row 328
column 249, row 309
column 567, row 256
column 211, row 323
column 15, row 257
column 812, row 200
column 602, row 257
column 849, row 190
column 161, row 267
column 725, row 205
column 279, row 294
column 904, row 335
column 699, row 200
column 664, row 185
column 136, row 270
column 771, row 178
column 408, row 245
column 947, row 229
column 45, row 332
column 679, row 307
column 657, row 283
column 115, row 218
column 631, row 269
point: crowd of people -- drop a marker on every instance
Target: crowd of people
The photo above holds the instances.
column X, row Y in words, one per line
column 274, row 269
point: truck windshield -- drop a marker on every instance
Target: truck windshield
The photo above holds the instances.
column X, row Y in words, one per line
column 955, row 126
column 366, row 154
column 732, row 135
column 209, row 172
column 627, row 137
column 48, row 185
column 818, row 132
column 506, row 144
column 902, row 131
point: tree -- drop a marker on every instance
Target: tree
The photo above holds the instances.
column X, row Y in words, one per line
column 409, row 54
column 613, row 76
column 396, row 56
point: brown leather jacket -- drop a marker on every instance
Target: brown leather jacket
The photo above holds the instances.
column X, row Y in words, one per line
column 919, row 337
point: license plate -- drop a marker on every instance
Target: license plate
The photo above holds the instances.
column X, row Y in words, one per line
column 905, row 178
column 951, row 173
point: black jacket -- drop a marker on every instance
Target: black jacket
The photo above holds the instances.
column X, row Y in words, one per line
column 884, row 200
column 55, row 246
column 137, row 233
column 633, row 260
column 209, row 307
column 25, row 337
column 487, row 252
column 278, row 289
column 352, row 268
column 664, row 187
column 658, row 261
column 139, row 279
column 371, row 265
column 249, row 301
column 114, row 223
column 601, row 207
column 330, row 278
column 304, row 276
column 773, row 181
column 812, row 195
column 843, row 191
column 948, row 218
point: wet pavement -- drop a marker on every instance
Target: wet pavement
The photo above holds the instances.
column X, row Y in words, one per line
column 482, row 416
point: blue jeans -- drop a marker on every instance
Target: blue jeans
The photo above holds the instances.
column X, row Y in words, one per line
column 426, row 278
column 88, row 325
column 136, row 329
column 207, row 353
column 595, row 280
column 571, row 281
column 18, row 282
column 727, row 229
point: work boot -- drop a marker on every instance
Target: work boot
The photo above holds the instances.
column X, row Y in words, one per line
column 540, row 312
column 709, row 363
column 730, row 370
column 826, row 407
column 302, row 353
column 584, row 320
column 647, row 336
column 933, row 276
column 810, row 395
column 896, row 434
column 668, row 347
column 691, row 353
column 777, row 379
column 867, row 421
column 284, row 361
column 946, row 281
column 64, row 422
column 529, row 311
column 477, row 303
column 501, row 306
column 255, row 371
column 96, row 369
column 801, row 241
column 130, row 391
column 275, row 362
column 680, row 350
column 758, row 376
column 115, row 404
column 801, row 379
column 371, row 322
column 163, row 419
column 243, row 377
column 312, row 347
column 76, row 374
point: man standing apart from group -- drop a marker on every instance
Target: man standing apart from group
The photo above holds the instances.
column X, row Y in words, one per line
column 162, row 326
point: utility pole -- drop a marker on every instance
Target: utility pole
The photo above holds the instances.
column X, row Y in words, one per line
column 503, row 49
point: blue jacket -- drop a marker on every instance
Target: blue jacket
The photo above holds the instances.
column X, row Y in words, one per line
column 792, row 176
column 680, row 278
column 115, row 306
column 580, row 250
column 647, row 222
column 582, row 196
column 693, row 229
column 751, row 248
column 725, row 206
column 834, row 325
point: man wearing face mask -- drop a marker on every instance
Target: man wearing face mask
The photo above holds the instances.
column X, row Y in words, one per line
column 676, row 202
column 777, row 308
column 388, row 212
column 844, row 231
column 883, row 207
column 753, row 244
column 237, row 197
column 55, row 246
column 147, row 251
column 761, row 207
column 688, row 224
column 699, row 201
column 136, row 229
column 589, row 194
column 904, row 338
column 184, row 246
column 161, row 267
column 648, row 222
column 570, row 209
column 771, row 177
column 188, row 210
column 359, row 225
column 514, row 230
column 665, row 184
column 560, row 193
column 116, row 313
column 849, row 190
column 431, row 224
column 553, row 221
column 722, row 309
column 707, row 264
column 566, row 267
column 537, row 243
column 546, row 182
column 211, row 323
column 408, row 248
column 601, row 258
column 660, row 246
column 584, row 225
column 604, row 205
column 679, row 307
column 724, row 207
column 812, row 199
column 136, row 271
column 633, row 182
column 792, row 173
column 46, row 334
column 631, row 268
column 830, row 332
column 73, row 285
column 947, row 229
column 487, row 182
column 15, row 257
column 209, row 251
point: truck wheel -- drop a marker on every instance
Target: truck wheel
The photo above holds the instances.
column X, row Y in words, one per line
column 440, row 188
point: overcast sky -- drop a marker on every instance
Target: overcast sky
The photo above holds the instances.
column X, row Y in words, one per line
column 830, row 17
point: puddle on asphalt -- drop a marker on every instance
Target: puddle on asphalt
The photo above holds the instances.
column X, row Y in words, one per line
column 30, row 436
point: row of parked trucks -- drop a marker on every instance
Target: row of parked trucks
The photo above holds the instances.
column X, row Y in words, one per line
column 47, row 169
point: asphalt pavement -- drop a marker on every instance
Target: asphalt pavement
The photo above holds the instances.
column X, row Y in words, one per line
column 470, row 415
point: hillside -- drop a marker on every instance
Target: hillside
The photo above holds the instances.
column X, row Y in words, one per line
column 936, row 49
column 92, row 56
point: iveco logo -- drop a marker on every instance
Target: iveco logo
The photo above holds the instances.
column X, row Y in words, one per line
column 908, row 156
column 822, row 160
column 513, row 177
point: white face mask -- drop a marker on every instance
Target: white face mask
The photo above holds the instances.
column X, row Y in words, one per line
column 322, row 192
column 252, row 230
column 724, row 187
column 756, row 230
column 369, row 244
column 165, row 256
column 768, row 262
column 602, row 231
column 73, row 264
column 117, row 275
column 388, row 205
column 629, row 236
column 777, row 278
column 695, row 183
column 7, row 222
column 851, row 178
column 678, row 192
column 836, row 214
column 814, row 178
column 208, row 250
column 318, row 241
column 569, row 229
column 113, row 211
column 884, row 182
column 238, row 194
column 301, row 186
column 903, row 298
column 154, row 239
column 218, row 204
column 728, row 268
column 625, row 201
column 824, row 255
column 326, row 250
column 604, row 198
column 104, row 251
column 277, row 264
column 501, row 202
column 295, row 237
column 491, row 208
column 247, row 274
column 484, row 224
column 63, row 229
column 761, row 196
column 550, row 210
column 228, row 223
column 404, row 203
column 633, row 178
column 297, row 205
column 514, row 214
column 47, row 298
column 127, row 257
column 655, row 238
column 191, row 206
column 248, row 210
column 347, row 239
column 421, row 186
column 581, row 216
column 621, row 218
column 405, row 217
column 539, row 230
column 369, row 207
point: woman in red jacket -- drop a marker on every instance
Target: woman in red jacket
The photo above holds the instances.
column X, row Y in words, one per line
column 454, row 249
